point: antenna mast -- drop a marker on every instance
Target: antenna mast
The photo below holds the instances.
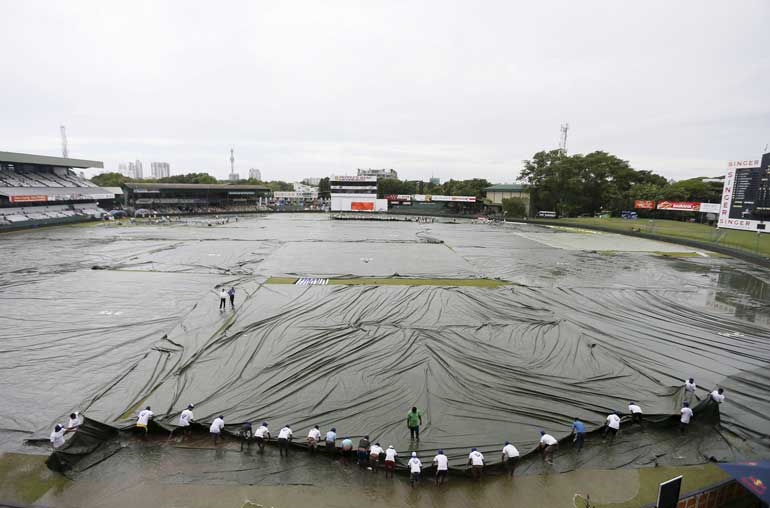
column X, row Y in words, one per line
column 64, row 151
column 563, row 139
column 232, row 162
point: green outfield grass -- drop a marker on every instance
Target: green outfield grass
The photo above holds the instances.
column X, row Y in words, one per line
column 398, row 281
column 743, row 240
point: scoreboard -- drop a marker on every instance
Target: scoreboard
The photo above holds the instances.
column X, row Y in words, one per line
column 746, row 195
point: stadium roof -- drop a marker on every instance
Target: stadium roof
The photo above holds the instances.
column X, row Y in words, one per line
column 193, row 186
column 61, row 192
column 506, row 187
column 45, row 160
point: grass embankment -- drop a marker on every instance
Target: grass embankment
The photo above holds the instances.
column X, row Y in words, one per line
column 742, row 240
column 398, row 281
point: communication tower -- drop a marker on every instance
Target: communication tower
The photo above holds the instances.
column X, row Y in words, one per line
column 232, row 162
column 563, row 138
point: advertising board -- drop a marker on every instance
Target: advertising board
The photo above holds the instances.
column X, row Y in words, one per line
column 684, row 206
column 746, row 195
column 644, row 203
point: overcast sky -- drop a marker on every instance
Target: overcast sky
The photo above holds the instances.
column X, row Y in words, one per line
column 450, row 89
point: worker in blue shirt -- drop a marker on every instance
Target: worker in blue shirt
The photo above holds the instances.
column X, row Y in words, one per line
column 579, row 431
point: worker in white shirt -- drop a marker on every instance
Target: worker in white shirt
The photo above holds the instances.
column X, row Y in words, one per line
column 186, row 418
column 390, row 461
column 73, row 423
column 57, row 437
column 313, row 438
column 686, row 415
column 374, row 456
column 548, row 444
column 261, row 436
column 718, row 395
column 611, row 426
column 284, row 437
column 476, row 461
column 222, row 299
column 143, row 420
column 510, row 457
column 331, row 439
column 442, row 467
column 636, row 412
column 689, row 389
column 216, row 428
column 415, row 466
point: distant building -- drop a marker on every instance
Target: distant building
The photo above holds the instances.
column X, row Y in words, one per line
column 378, row 173
column 435, row 180
column 233, row 177
column 123, row 169
column 314, row 181
column 497, row 193
column 255, row 174
column 135, row 170
column 160, row 169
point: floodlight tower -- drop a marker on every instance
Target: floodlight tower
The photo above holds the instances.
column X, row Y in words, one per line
column 64, row 151
column 232, row 162
column 563, row 139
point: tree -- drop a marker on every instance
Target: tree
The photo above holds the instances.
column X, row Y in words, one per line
column 324, row 188
column 515, row 207
column 110, row 179
column 200, row 178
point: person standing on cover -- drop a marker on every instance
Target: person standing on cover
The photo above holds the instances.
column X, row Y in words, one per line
column 143, row 420
column 548, row 444
column 636, row 412
column 73, row 423
column 390, row 461
column 216, row 428
column 413, row 421
column 684, row 420
column 186, row 417
column 510, row 457
column 442, row 467
column 415, row 466
column 57, row 437
column 689, row 389
column 231, row 293
column 222, row 299
column 284, row 437
column 612, row 426
column 476, row 461
column 579, row 431
column 261, row 435
column 313, row 438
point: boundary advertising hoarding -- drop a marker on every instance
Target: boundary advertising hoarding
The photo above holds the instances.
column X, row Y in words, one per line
column 746, row 195
column 684, row 206
column 644, row 203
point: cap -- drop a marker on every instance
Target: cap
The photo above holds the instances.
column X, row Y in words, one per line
column 264, row 424
column 222, row 417
column 686, row 404
column 334, row 429
column 377, row 444
column 542, row 433
column 507, row 442
column 441, row 451
column 414, row 454
column 190, row 405
column 473, row 449
column 390, row 446
column 58, row 427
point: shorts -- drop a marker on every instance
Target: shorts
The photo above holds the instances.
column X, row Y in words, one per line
column 215, row 434
column 511, row 461
column 390, row 465
column 362, row 455
column 612, row 431
column 283, row 442
column 330, row 446
column 442, row 473
column 312, row 443
column 260, row 440
column 373, row 458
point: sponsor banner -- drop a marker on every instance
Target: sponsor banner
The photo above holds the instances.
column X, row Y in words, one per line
column 748, row 163
column 294, row 195
column 421, row 197
column 249, row 193
column 31, row 197
column 362, row 205
column 644, row 203
column 709, row 208
column 683, row 206
column 399, row 197
column 463, row 199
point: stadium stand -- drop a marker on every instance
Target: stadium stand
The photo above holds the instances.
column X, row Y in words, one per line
column 38, row 190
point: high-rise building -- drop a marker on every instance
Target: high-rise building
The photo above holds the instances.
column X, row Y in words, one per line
column 135, row 169
column 160, row 169
column 378, row 173
column 255, row 174
column 123, row 169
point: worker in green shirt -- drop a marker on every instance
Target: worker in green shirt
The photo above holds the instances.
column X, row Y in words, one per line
column 413, row 421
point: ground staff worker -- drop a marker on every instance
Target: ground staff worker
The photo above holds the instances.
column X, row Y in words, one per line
column 413, row 421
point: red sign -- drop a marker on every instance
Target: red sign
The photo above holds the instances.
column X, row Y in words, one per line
column 362, row 205
column 683, row 206
column 644, row 203
column 36, row 197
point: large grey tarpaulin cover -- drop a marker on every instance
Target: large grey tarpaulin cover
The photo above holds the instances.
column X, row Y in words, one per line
column 574, row 334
